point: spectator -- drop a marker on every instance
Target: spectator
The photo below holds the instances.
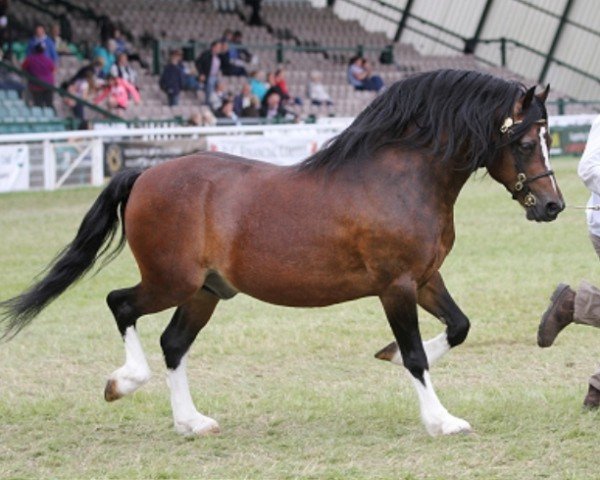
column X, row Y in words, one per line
column 40, row 66
column 4, row 28
column 95, row 68
column 219, row 95
column 229, row 68
column 117, row 92
column 10, row 81
column 316, row 92
column 208, row 65
column 258, row 84
column 122, row 69
column 279, row 85
column 39, row 36
column 107, row 53
column 107, row 28
column 245, row 104
column 191, row 82
column 84, row 88
column 203, row 118
column 360, row 75
column 255, row 17
column 123, row 46
column 226, row 111
column 271, row 108
column 172, row 79
column 238, row 55
column 61, row 46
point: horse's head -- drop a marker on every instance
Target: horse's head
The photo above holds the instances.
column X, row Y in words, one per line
column 523, row 164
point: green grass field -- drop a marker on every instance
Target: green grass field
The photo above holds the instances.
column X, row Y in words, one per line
column 297, row 392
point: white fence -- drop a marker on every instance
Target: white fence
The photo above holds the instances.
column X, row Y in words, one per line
column 53, row 160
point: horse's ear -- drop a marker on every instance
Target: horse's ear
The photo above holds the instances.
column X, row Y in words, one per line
column 527, row 98
column 544, row 95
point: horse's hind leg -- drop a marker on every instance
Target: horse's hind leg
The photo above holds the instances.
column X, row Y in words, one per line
column 435, row 298
column 127, row 305
column 135, row 372
column 176, row 340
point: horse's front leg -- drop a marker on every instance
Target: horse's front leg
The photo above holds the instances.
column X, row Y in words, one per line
column 434, row 298
column 400, row 305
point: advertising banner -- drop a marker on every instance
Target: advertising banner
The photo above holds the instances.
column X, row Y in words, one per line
column 14, row 167
column 146, row 154
column 278, row 149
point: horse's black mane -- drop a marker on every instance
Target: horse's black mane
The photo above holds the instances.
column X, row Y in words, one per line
column 446, row 112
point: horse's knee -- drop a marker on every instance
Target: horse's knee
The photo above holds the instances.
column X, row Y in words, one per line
column 458, row 330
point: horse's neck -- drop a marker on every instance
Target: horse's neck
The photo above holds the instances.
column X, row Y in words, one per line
column 423, row 173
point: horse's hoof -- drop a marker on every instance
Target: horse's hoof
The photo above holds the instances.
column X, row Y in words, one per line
column 456, row 426
column 111, row 393
column 200, row 427
column 388, row 353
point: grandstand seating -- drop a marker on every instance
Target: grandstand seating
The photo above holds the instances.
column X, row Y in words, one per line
column 178, row 21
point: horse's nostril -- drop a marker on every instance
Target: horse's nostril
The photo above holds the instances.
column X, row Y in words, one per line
column 553, row 209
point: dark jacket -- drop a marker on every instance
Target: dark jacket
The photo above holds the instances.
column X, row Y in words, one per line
column 204, row 63
column 172, row 79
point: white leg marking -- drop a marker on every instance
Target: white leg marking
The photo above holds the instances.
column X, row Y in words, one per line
column 435, row 349
column 188, row 421
column 136, row 371
column 546, row 156
column 436, row 418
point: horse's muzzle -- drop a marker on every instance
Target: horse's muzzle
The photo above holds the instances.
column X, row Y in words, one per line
column 546, row 211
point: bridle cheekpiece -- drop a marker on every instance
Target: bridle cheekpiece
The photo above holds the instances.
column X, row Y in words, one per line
column 521, row 186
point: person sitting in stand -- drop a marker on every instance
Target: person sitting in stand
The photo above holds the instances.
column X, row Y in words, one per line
column 107, row 53
column 245, row 104
column 203, row 117
column 219, row 95
column 225, row 111
column 360, row 75
column 122, row 69
column 230, row 66
column 117, row 92
column 316, row 92
column 273, row 109
column 258, row 84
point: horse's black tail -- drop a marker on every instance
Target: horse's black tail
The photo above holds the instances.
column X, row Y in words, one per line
column 96, row 232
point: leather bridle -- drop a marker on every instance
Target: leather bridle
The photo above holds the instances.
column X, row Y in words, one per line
column 521, row 186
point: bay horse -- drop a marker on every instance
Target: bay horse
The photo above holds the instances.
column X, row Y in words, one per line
column 370, row 214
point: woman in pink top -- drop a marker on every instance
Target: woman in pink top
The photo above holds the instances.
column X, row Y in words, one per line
column 118, row 90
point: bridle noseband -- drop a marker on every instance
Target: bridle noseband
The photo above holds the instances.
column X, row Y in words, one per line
column 521, row 186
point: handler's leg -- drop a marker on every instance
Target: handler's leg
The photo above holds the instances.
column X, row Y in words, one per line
column 176, row 340
column 435, row 298
column 399, row 303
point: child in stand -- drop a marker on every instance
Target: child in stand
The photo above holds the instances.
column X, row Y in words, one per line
column 117, row 92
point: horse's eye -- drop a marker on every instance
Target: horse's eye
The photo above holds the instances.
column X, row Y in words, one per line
column 527, row 147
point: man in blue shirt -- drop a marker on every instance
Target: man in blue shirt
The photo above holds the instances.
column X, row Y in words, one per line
column 40, row 37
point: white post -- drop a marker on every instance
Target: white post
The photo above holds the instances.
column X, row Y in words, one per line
column 49, row 166
column 97, row 162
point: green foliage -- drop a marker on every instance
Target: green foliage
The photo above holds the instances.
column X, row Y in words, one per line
column 296, row 391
